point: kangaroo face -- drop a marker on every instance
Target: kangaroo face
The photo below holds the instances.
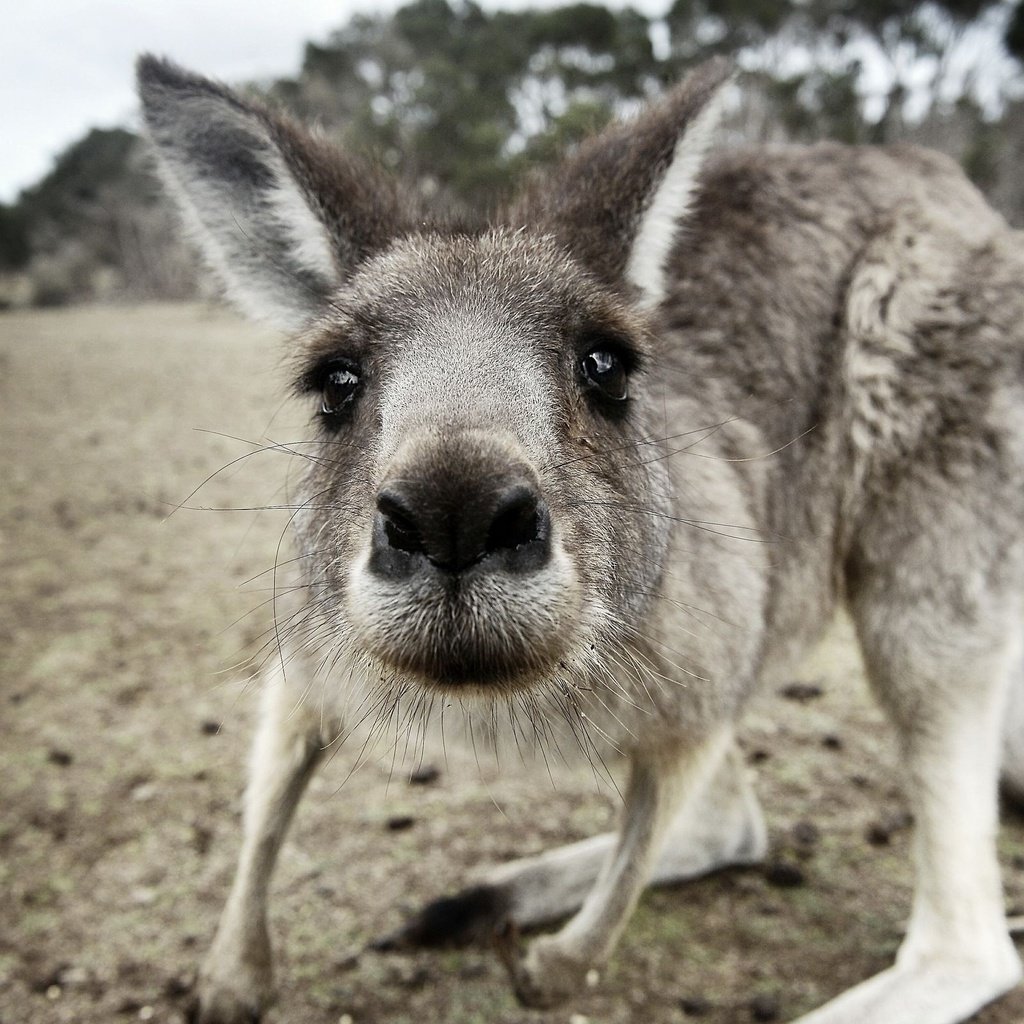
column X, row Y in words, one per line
column 478, row 401
column 481, row 510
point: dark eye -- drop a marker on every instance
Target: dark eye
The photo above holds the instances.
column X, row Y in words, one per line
column 606, row 371
column 338, row 389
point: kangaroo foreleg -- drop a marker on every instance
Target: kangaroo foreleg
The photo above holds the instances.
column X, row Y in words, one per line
column 236, row 980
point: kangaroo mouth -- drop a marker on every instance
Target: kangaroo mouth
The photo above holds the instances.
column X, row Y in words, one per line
column 486, row 630
column 460, row 665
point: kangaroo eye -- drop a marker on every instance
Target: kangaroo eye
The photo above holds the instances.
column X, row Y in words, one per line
column 339, row 388
column 605, row 370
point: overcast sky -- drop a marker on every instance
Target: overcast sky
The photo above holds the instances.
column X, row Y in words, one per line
column 66, row 65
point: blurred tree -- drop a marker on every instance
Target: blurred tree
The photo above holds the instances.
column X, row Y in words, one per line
column 456, row 94
column 1013, row 38
column 459, row 100
column 15, row 249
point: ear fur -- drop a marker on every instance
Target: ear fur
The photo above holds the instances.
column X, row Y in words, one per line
column 280, row 216
column 618, row 202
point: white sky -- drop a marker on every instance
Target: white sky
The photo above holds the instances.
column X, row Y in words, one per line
column 66, row 65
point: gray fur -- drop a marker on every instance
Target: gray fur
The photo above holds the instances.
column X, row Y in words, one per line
column 827, row 407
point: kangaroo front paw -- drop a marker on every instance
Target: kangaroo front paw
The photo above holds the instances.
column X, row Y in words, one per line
column 547, row 974
column 222, row 1006
column 237, row 998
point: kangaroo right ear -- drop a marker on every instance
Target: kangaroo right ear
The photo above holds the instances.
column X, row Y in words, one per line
column 620, row 200
column 281, row 217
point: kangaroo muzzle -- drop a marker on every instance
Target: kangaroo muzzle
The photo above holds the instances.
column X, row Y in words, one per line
column 465, row 580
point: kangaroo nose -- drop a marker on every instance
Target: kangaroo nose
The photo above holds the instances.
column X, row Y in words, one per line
column 454, row 527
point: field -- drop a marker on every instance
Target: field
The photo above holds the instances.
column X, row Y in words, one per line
column 127, row 636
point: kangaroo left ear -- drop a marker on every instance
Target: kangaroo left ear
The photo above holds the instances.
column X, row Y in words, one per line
column 617, row 204
column 281, row 217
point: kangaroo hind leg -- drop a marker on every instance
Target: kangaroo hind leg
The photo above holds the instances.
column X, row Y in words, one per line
column 942, row 671
column 721, row 826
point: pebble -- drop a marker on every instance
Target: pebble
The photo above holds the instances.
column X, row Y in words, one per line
column 74, row 976
column 401, row 822
column 802, row 692
column 764, row 1008
column 694, row 1006
column 425, row 775
column 880, row 832
column 784, row 875
column 144, row 792
column 806, row 834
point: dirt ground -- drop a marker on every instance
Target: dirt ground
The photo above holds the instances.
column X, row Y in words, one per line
column 127, row 634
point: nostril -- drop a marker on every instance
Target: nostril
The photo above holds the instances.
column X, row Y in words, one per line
column 518, row 520
column 399, row 523
column 424, row 521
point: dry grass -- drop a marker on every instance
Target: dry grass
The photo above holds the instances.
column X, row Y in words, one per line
column 118, row 637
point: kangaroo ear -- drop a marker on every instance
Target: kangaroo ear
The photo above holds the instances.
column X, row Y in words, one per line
column 618, row 202
column 280, row 216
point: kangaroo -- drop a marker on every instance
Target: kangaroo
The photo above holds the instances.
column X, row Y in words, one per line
column 540, row 438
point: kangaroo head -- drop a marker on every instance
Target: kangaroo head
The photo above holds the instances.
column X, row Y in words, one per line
column 479, row 393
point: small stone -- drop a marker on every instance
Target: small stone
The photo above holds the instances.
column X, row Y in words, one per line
column 144, row 792
column 880, row 832
column 830, row 741
column 143, row 896
column 578, row 1018
column 425, row 775
column 401, row 822
column 593, row 978
column 59, row 757
column 53, row 992
column 806, row 834
column 73, row 976
column 877, row 834
column 801, row 692
column 784, row 875
column 417, row 978
column 764, row 1008
column 146, row 1012
column 345, row 1018
column 209, row 727
column 695, row 1006
column 758, row 755
column 202, row 837
column 177, row 986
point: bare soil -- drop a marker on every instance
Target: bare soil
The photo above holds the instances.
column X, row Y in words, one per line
column 127, row 636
